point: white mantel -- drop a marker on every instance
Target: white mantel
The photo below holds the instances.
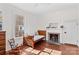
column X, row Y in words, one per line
column 51, row 30
column 54, row 30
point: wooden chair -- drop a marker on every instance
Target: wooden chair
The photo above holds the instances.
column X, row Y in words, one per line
column 29, row 41
column 14, row 47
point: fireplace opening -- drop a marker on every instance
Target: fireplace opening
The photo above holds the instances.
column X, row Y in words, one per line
column 54, row 37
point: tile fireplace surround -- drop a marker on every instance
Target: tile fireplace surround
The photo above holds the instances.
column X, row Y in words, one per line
column 54, row 31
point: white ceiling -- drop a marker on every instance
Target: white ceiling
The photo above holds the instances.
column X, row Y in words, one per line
column 43, row 7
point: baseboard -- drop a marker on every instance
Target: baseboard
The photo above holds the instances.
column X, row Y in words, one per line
column 71, row 44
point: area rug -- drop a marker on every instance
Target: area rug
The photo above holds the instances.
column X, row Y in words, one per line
column 47, row 50
column 23, row 53
column 43, row 53
column 55, row 52
column 29, row 49
column 36, row 52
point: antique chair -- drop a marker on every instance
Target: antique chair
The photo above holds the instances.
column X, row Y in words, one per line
column 14, row 47
column 31, row 40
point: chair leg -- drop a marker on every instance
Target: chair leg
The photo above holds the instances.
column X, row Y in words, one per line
column 33, row 46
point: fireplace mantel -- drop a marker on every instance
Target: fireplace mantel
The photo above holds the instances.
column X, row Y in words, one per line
column 53, row 31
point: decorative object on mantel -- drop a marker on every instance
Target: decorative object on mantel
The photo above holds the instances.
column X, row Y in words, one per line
column 52, row 25
column 61, row 26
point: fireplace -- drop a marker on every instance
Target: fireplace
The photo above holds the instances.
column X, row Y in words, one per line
column 54, row 37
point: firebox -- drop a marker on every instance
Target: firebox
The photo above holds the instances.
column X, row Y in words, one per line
column 54, row 37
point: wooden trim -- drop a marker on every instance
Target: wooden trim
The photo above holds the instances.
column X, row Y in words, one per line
column 70, row 44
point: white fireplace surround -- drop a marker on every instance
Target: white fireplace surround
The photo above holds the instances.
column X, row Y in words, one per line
column 56, row 31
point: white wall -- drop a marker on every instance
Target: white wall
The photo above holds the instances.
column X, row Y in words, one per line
column 32, row 24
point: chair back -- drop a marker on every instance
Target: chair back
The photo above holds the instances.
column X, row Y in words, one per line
column 12, row 43
column 42, row 32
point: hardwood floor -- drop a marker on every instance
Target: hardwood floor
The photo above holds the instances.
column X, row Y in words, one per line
column 64, row 48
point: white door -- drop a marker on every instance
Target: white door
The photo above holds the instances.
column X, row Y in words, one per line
column 71, row 32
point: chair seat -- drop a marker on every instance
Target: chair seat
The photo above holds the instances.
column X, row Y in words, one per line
column 38, row 37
